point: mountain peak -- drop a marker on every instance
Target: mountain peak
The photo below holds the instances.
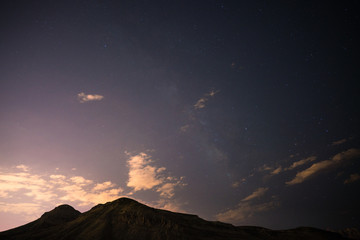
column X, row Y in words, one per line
column 61, row 209
column 125, row 200
column 58, row 216
column 61, row 214
column 120, row 203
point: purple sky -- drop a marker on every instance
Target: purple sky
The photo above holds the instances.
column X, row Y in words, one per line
column 246, row 113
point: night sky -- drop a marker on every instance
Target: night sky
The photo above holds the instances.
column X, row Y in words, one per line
column 245, row 112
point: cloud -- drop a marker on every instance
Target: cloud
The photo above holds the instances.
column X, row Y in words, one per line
column 103, row 186
column 86, row 197
column 276, row 171
column 184, row 128
column 339, row 142
column 201, row 103
column 301, row 162
column 89, row 97
column 20, row 208
column 11, row 183
column 235, row 184
column 316, row 167
column 167, row 190
column 29, row 193
column 245, row 210
column 346, row 155
column 323, row 165
column 143, row 175
column 256, row 194
column 352, row 178
column 57, row 177
column 264, row 168
column 170, row 205
column 23, row 167
column 80, row 181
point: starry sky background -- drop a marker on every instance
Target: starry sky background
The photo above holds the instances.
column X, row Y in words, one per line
column 240, row 111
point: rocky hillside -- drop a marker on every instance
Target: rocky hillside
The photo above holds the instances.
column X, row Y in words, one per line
column 128, row 219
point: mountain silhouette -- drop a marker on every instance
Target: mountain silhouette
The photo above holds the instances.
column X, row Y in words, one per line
column 128, row 219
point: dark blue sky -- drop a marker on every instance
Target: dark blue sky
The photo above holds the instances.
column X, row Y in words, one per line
column 243, row 112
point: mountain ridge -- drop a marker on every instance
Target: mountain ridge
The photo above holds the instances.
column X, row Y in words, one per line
column 126, row 218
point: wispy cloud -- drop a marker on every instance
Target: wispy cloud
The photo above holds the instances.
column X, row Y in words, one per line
column 184, row 128
column 245, row 210
column 256, row 194
column 280, row 169
column 201, row 103
column 353, row 177
column 173, row 204
column 264, row 168
column 89, row 97
column 144, row 175
column 236, row 184
column 323, row 165
column 301, row 162
column 344, row 140
column 346, row 155
column 277, row 171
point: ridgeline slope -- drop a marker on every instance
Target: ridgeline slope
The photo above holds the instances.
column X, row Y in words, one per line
column 128, row 219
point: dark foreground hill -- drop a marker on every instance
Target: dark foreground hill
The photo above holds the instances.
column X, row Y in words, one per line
column 127, row 219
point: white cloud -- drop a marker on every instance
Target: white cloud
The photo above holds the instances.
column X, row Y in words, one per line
column 103, row 186
column 57, row 177
column 89, row 97
column 85, row 197
column 20, row 208
column 323, row 165
column 23, row 167
column 81, row 181
column 245, row 210
column 143, row 175
column 256, row 194
column 26, row 193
